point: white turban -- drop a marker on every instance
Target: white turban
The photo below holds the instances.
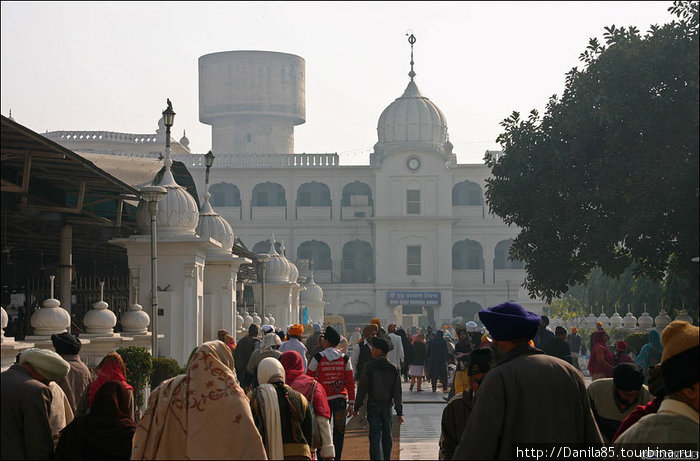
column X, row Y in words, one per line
column 47, row 363
column 270, row 340
column 270, row 369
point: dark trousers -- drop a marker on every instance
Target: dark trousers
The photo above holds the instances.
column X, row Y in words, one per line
column 380, row 442
column 339, row 411
column 442, row 376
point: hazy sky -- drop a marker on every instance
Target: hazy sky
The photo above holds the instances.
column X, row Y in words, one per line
column 111, row 66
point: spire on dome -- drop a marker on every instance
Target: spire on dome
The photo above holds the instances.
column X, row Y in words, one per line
column 10, row 117
column 411, row 40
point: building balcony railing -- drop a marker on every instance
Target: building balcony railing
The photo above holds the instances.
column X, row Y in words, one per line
column 262, row 160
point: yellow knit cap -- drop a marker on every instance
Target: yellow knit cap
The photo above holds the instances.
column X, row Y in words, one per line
column 376, row 322
column 677, row 337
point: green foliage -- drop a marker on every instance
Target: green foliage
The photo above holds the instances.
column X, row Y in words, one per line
column 567, row 308
column 635, row 341
column 164, row 368
column 608, row 176
column 139, row 366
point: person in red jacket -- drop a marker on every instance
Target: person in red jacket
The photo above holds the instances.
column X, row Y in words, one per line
column 333, row 370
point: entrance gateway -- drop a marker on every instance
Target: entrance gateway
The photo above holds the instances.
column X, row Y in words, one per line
column 415, row 308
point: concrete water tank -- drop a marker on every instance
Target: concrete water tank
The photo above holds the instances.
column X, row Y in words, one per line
column 252, row 100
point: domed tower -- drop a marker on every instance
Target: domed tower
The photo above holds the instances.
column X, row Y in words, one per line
column 252, row 100
column 412, row 122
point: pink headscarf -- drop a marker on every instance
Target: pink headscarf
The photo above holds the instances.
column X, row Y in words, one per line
column 297, row 380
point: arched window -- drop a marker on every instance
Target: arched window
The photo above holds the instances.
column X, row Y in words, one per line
column 501, row 261
column 356, row 189
column 467, row 193
column 313, row 194
column 269, row 194
column 263, row 246
column 467, row 254
column 224, row 194
column 468, row 310
column 357, row 265
column 318, row 252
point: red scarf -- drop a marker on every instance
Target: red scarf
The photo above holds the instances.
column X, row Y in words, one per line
column 108, row 372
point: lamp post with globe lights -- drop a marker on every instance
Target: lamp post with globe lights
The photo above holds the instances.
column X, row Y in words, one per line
column 152, row 195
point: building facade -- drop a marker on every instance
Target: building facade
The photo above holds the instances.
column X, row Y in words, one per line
column 407, row 238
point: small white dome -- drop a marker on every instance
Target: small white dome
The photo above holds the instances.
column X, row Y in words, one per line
column 313, row 292
column 277, row 268
column 177, row 211
column 247, row 320
column 684, row 317
column 604, row 319
column 591, row 320
column 271, row 320
column 135, row 321
column 212, row 225
column 184, row 141
column 645, row 321
column 630, row 321
column 256, row 319
column 100, row 320
column 616, row 320
column 412, row 118
column 50, row 318
column 662, row 320
column 239, row 322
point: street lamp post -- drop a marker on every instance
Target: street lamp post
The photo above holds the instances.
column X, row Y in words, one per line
column 168, row 121
column 263, row 258
column 208, row 162
column 152, row 195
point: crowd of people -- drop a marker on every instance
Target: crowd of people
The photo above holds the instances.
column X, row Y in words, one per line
column 283, row 395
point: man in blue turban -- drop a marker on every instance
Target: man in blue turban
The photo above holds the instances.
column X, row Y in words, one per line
column 522, row 399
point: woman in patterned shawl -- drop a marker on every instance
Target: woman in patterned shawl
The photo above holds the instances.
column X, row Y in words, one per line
column 201, row 415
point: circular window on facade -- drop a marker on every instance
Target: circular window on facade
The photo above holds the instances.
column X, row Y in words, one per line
column 413, row 163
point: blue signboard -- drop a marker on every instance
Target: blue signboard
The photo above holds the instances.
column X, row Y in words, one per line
column 415, row 298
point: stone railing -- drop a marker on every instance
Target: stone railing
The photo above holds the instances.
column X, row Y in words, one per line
column 262, row 160
column 92, row 136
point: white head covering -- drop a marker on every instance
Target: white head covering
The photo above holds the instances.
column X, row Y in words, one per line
column 270, row 340
column 47, row 363
column 269, row 370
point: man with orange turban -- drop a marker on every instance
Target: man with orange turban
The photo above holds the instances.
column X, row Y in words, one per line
column 293, row 342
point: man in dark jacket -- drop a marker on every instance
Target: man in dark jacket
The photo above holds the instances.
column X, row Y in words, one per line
column 543, row 335
column 75, row 384
column 381, row 382
column 457, row 411
column 241, row 356
column 521, row 400
column 558, row 347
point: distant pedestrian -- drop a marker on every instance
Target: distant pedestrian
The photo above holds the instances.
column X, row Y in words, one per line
column 333, row 370
column 437, row 361
column 106, row 432
column 544, row 335
column 110, row 367
column 26, row 402
column 621, row 355
column 677, row 418
column 361, row 356
column 457, row 411
column 381, row 383
column 203, row 414
column 269, row 348
column 78, row 379
column 558, row 347
column 396, row 354
column 602, row 362
column 281, row 414
column 575, row 343
column 418, row 368
column 650, row 353
column 381, row 333
column 242, row 354
column 598, row 327
column 321, row 440
column 293, row 342
column 613, row 399
column 354, row 339
column 312, row 345
column 523, row 398
column 407, row 353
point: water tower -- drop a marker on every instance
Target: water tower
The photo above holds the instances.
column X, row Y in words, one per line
column 252, row 100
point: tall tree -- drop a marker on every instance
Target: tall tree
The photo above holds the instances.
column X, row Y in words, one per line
column 608, row 177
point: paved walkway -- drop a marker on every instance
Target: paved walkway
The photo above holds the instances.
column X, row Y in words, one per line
column 417, row 438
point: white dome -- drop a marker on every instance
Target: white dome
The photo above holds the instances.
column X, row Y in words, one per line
column 256, row 319
column 293, row 270
column 630, row 321
column 313, row 292
column 645, row 321
column 271, row 320
column 177, row 211
column 684, row 317
column 239, row 321
column 616, row 320
column 412, row 118
column 247, row 320
column 135, row 320
column 277, row 268
column 184, row 141
column 214, row 226
column 50, row 318
column 604, row 319
column 100, row 320
column 662, row 320
column 591, row 320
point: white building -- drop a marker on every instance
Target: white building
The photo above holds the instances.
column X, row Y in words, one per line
column 407, row 238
